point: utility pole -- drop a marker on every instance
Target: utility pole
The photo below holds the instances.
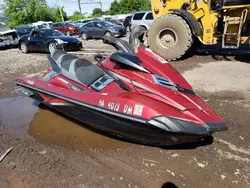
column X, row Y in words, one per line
column 88, row 2
column 79, row 5
column 58, row 1
column 101, row 4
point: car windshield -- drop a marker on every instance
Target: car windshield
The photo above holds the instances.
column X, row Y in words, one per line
column 4, row 27
column 106, row 24
column 85, row 21
column 69, row 24
column 50, row 32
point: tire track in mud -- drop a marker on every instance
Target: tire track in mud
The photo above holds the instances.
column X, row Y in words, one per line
column 239, row 155
column 233, row 147
column 124, row 169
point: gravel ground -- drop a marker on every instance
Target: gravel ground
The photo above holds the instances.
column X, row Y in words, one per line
column 51, row 150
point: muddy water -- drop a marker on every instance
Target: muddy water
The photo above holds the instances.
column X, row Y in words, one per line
column 23, row 116
column 57, row 129
column 16, row 114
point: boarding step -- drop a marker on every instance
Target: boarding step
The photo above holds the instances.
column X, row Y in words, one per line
column 232, row 20
column 231, row 47
column 231, row 34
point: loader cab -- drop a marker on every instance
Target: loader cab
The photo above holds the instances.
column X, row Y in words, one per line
column 222, row 4
column 216, row 5
column 229, row 3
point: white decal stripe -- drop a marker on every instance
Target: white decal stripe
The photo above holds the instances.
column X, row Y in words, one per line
column 85, row 104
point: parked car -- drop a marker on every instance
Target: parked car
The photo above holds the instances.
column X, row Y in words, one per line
column 86, row 21
column 8, row 37
column 99, row 29
column 43, row 24
column 121, row 21
column 78, row 24
column 144, row 19
column 127, row 23
column 47, row 40
column 24, row 30
column 66, row 28
column 115, row 22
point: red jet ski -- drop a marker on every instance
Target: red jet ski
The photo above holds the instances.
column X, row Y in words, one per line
column 136, row 96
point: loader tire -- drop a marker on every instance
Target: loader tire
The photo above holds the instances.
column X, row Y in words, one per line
column 170, row 36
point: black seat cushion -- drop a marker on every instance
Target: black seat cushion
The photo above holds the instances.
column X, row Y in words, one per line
column 56, row 54
column 82, row 63
column 65, row 61
column 79, row 70
column 88, row 75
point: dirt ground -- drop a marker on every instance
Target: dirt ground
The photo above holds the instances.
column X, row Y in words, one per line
column 51, row 150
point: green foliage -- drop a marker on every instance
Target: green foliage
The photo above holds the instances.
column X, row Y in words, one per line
column 57, row 15
column 26, row 11
column 124, row 6
column 114, row 8
column 76, row 16
column 29, row 11
column 140, row 5
column 97, row 12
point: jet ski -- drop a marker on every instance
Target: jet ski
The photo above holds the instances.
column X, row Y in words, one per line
column 133, row 94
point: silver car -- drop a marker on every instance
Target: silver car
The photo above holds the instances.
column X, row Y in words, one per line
column 99, row 29
column 143, row 19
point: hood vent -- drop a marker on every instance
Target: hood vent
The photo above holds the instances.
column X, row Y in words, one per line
column 164, row 82
column 168, row 84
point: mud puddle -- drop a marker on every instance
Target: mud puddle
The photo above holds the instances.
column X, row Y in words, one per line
column 17, row 113
column 22, row 116
column 51, row 127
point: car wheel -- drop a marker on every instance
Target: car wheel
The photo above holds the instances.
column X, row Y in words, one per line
column 24, row 47
column 108, row 34
column 52, row 47
column 68, row 33
column 84, row 36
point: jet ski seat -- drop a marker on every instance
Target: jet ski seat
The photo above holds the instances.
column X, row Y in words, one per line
column 79, row 70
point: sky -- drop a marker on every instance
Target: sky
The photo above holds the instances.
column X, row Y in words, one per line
column 70, row 6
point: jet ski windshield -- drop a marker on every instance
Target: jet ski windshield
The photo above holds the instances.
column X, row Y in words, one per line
column 128, row 59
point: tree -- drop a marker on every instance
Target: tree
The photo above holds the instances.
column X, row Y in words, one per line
column 26, row 11
column 140, row 5
column 124, row 6
column 114, row 8
column 57, row 15
column 97, row 12
column 76, row 16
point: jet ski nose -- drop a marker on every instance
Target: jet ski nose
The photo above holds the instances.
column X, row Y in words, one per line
column 174, row 125
column 216, row 126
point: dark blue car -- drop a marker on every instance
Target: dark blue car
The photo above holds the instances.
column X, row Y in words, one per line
column 47, row 40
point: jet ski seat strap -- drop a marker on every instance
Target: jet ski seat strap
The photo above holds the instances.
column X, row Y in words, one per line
column 79, row 70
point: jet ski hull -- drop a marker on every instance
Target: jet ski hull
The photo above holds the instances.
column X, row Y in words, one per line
column 136, row 131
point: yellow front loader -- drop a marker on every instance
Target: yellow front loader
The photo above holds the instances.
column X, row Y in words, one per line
column 180, row 24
